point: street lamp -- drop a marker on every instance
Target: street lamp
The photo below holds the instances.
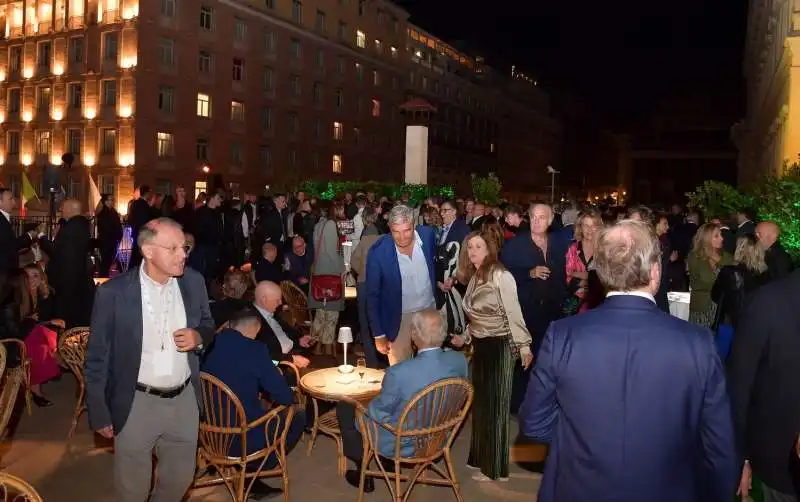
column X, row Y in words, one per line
column 552, row 173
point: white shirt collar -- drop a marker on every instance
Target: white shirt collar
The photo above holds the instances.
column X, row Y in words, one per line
column 417, row 242
column 640, row 294
column 8, row 216
column 148, row 280
column 264, row 312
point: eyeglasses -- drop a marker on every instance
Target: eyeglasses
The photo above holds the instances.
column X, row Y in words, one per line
column 173, row 249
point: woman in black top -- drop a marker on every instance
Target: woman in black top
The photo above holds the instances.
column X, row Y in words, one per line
column 734, row 282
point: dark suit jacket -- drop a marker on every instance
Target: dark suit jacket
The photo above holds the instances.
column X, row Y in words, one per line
column 634, row 406
column 267, row 335
column 779, row 263
column 115, row 346
column 764, row 380
column 10, row 245
column 69, row 272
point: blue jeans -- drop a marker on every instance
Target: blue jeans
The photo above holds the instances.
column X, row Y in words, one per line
column 365, row 334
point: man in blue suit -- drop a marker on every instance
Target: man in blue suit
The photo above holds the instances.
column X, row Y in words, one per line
column 401, row 280
column 632, row 401
column 400, row 384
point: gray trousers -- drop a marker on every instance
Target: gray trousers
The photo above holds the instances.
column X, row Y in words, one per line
column 168, row 426
column 772, row 495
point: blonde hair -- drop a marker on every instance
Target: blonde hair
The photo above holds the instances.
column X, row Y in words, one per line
column 750, row 254
column 589, row 214
column 466, row 270
column 701, row 243
column 625, row 254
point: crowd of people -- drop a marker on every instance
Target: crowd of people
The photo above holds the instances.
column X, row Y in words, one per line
column 563, row 311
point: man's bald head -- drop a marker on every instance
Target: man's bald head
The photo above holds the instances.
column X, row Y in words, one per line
column 268, row 296
column 767, row 233
column 70, row 208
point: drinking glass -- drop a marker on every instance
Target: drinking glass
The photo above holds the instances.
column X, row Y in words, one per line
column 361, row 367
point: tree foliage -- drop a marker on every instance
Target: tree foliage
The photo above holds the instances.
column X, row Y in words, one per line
column 716, row 199
column 487, row 189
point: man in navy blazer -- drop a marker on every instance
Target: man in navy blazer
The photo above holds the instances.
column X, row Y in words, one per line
column 401, row 280
column 632, row 401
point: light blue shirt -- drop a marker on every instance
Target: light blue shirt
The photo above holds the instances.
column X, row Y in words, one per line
column 416, row 281
column 286, row 343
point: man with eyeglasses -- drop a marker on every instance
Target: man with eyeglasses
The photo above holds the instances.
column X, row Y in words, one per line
column 142, row 369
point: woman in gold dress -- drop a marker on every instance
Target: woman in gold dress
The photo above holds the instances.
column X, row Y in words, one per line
column 499, row 336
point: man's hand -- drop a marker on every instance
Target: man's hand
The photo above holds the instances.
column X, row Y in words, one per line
column 746, row 483
column 673, row 256
column 540, row 272
column 107, row 432
column 303, row 280
column 527, row 359
column 300, row 361
column 187, row 339
column 306, row 341
column 382, row 344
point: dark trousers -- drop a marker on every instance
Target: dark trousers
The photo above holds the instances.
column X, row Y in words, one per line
column 352, row 442
column 108, row 253
column 374, row 359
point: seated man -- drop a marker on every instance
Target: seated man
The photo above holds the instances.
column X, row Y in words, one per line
column 283, row 341
column 401, row 383
column 298, row 263
column 245, row 366
column 234, row 286
column 267, row 268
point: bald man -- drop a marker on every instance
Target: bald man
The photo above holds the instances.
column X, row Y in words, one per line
column 68, row 269
column 284, row 343
column 779, row 263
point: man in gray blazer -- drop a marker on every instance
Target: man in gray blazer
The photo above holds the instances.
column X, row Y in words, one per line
column 142, row 370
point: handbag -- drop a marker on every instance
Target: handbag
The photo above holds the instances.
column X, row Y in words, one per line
column 325, row 287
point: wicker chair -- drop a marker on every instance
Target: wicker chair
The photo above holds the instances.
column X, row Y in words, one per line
column 72, row 350
column 225, row 421
column 297, row 301
column 24, row 370
column 3, row 360
column 13, row 489
column 10, row 384
column 430, row 421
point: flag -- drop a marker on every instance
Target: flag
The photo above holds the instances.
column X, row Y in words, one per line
column 28, row 194
column 94, row 194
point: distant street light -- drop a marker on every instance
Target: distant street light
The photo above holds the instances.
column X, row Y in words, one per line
column 552, row 173
column 206, row 169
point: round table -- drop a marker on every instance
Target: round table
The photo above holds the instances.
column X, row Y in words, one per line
column 330, row 385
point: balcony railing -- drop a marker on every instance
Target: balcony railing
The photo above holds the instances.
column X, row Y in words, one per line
column 45, row 27
column 31, row 29
column 111, row 16
column 15, row 32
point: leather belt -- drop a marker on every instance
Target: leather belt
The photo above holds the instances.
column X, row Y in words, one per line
column 163, row 393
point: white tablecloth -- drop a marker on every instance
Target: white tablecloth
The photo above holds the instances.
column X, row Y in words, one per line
column 679, row 304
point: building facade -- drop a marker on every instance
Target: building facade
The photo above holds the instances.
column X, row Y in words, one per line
column 770, row 133
column 256, row 92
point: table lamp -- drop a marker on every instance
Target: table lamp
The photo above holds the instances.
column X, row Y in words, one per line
column 345, row 337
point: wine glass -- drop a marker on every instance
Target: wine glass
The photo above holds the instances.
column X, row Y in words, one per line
column 361, row 367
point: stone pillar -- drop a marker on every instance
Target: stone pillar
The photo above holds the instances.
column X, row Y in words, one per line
column 418, row 113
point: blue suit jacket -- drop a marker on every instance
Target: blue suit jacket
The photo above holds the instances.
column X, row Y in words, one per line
column 634, row 405
column 458, row 232
column 384, row 283
column 402, row 382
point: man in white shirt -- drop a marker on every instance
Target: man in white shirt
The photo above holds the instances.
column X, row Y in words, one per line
column 142, row 369
column 283, row 342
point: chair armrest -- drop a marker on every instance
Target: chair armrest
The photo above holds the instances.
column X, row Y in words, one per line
column 290, row 366
column 265, row 418
column 362, row 414
column 23, row 351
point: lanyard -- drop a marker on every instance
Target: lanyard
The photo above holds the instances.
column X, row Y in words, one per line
column 161, row 322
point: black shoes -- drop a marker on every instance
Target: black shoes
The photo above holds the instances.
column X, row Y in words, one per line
column 41, row 401
column 353, row 477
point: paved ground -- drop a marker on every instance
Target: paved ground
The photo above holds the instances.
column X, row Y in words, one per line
column 81, row 471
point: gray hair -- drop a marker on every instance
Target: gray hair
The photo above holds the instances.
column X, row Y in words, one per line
column 569, row 216
column 625, row 254
column 147, row 234
column 427, row 329
column 401, row 214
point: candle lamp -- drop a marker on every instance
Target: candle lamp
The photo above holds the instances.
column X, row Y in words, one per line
column 345, row 338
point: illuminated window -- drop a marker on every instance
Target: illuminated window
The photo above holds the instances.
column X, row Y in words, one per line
column 165, row 145
column 237, row 111
column 378, row 46
column 376, row 108
column 200, row 187
column 361, row 39
column 338, row 131
column 203, row 105
column 109, row 143
column 393, row 51
column 43, row 143
column 336, row 164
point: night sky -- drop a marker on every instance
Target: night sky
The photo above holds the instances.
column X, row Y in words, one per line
column 619, row 57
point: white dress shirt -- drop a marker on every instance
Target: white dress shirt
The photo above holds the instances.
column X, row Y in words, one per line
column 163, row 313
column 286, row 343
column 417, row 291
column 8, row 216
